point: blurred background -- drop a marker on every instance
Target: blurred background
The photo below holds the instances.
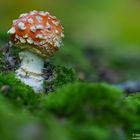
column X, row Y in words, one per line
column 102, row 38
column 102, row 44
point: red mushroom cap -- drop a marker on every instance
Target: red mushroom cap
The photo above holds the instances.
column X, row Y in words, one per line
column 41, row 32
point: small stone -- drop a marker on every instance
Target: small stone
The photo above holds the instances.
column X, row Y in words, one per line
column 81, row 75
column 5, row 89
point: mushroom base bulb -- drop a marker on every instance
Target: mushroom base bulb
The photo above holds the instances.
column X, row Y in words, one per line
column 30, row 71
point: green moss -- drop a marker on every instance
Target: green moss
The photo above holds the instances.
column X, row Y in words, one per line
column 95, row 111
column 12, row 120
column 22, row 92
column 18, row 94
column 20, row 124
column 61, row 76
column 75, row 96
column 132, row 104
column 75, row 111
column 21, row 109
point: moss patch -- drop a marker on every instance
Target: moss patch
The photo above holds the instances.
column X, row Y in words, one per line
column 75, row 111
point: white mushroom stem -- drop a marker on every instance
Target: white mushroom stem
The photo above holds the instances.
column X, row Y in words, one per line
column 30, row 71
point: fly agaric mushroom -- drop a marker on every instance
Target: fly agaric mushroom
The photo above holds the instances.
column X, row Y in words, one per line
column 39, row 35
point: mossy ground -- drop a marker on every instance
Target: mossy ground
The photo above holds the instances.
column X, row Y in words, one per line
column 69, row 109
column 75, row 111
